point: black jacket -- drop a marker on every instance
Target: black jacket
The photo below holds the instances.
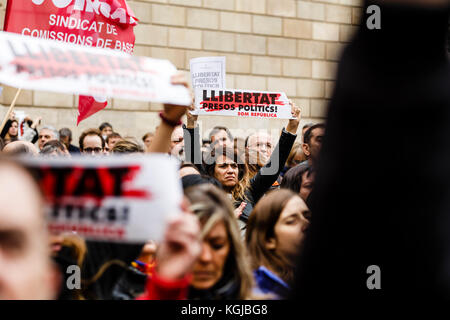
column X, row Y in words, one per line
column 262, row 181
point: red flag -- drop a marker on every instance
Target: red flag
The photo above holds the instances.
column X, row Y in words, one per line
column 95, row 23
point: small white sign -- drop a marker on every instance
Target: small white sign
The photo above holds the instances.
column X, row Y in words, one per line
column 208, row 72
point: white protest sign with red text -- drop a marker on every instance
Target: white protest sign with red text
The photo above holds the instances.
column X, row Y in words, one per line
column 242, row 103
column 125, row 199
column 37, row 64
column 102, row 24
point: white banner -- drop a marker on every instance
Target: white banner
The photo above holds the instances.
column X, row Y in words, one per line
column 242, row 103
column 47, row 65
column 208, row 72
column 121, row 198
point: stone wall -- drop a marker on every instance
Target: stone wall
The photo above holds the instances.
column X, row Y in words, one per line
column 285, row 45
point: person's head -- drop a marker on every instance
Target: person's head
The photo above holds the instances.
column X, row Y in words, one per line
column 259, row 147
column 229, row 169
column 223, row 261
column 306, row 127
column 112, row 139
column 65, row 136
column 147, row 139
column 222, row 135
column 91, row 142
column 17, row 148
column 296, row 155
column 275, row 232
column 176, row 138
column 47, row 133
column 13, row 131
column 26, row 270
column 187, row 169
column 54, row 148
column 105, row 130
column 126, row 147
column 299, row 179
column 312, row 141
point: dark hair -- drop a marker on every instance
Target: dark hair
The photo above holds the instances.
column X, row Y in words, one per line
column 52, row 146
column 217, row 129
column 104, row 125
column 113, row 135
column 148, row 134
column 90, row 132
column 243, row 183
column 292, row 179
column 65, row 132
column 2, row 143
column 308, row 133
column 196, row 179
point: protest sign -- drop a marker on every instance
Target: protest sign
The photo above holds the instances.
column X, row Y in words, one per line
column 125, row 199
column 102, row 24
column 38, row 64
column 242, row 103
column 208, row 72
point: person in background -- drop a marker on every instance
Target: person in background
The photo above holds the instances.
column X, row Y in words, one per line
column 295, row 157
column 299, row 179
column 112, row 139
column 274, row 237
column 92, row 143
column 16, row 148
column 54, row 148
column 26, row 268
column 126, row 147
column 47, row 133
column 222, row 135
column 65, row 136
column 202, row 263
column 147, row 139
column 306, row 127
column 10, row 132
column 312, row 142
column 105, row 130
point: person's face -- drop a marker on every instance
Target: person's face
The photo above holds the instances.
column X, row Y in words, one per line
column 226, row 172
column 307, row 185
column 26, row 271
column 44, row 136
column 106, row 132
column 312, row 149
column 148, row 141
column 261, row 145
column 222, row 138
column 13, row 130
column 210, row 265
column 290, row 229
column 92, row 145
column 112, row 142
column 177, row 137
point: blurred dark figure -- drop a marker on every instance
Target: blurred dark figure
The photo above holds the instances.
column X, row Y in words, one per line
column 392, row 212
column 65, row 136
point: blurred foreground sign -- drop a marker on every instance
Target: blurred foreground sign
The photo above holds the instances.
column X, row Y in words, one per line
column 38, row 64
column 125, row 199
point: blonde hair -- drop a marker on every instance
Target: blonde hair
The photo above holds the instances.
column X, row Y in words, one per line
column 212, row 206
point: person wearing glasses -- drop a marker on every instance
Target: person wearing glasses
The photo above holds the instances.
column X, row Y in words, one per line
column 91, row 142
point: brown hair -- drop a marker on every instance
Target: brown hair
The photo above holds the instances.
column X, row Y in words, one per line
column 238, row 192
column 90, row 132
column 211, row 205
column 261, row 227
column 126, row 146
column 148, row 134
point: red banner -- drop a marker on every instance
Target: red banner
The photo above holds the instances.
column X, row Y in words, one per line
column 94, row 23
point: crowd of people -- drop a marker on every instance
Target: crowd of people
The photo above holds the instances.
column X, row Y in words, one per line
column 245, row 212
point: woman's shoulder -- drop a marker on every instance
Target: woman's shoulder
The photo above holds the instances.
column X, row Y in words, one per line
column 268, row 282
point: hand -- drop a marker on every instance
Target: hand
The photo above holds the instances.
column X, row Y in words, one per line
column 191, row 118
column 12, row 115
column 238, row 211
column 180, row 248
column 36, row 122
column 174, row 112
column 293, row 123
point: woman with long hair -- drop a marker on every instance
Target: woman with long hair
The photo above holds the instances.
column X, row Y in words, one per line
column 274, row 238
column 219, row 269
